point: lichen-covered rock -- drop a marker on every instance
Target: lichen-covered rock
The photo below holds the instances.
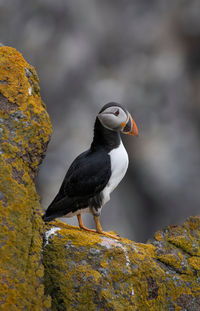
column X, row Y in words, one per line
column 24, row 134
column 86, row 271
column 83, row 271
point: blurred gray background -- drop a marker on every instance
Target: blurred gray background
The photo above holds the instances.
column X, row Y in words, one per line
column 143, row 54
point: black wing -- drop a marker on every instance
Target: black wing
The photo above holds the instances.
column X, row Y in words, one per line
column 85, row 179
column 88, row 175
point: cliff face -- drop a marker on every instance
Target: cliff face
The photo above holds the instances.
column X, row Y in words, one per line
column 79, row 270
column 85, row 271
column 24, row 134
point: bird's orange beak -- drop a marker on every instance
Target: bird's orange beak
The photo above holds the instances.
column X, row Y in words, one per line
column 130, row 127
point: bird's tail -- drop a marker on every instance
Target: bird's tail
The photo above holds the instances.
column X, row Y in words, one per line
column 58, row 208
column 48, row 218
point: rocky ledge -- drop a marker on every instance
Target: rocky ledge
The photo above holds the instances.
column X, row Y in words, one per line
column 86, row 271
column 60, row 267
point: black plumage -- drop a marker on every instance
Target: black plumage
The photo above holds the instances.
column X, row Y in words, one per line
column 95, row 173
column 86, row 177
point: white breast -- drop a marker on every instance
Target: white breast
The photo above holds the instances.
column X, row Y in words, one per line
column 119, row 165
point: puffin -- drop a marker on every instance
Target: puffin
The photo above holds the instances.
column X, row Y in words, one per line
column 95, row 173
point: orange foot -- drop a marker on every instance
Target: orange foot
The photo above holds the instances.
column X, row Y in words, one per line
column 98, row 226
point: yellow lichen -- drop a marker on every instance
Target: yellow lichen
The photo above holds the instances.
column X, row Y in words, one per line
column 195, row 263
column 116, row 275
column 158, row 236
column 25, row 133
column 83, row 271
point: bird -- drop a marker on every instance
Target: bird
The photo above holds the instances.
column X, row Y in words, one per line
column 95, row 173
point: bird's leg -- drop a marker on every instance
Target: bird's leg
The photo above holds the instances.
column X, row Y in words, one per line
column 100, row 230
column 81, row 225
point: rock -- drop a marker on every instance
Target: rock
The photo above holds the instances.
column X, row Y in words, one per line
column 73, row 269
column 86, row 271
column 25, row 130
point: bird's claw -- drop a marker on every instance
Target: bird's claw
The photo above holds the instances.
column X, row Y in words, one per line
column 109, row 235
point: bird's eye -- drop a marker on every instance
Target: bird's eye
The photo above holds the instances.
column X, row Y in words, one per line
column 116, row 113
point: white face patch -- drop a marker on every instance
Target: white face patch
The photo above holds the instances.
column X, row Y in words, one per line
column 112, row 117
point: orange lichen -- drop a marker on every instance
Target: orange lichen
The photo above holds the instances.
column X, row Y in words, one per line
column 86, row 271
column 24, row 136
column 83, row 271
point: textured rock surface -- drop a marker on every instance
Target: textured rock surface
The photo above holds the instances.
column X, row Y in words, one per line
column 24, row 134
column 85, row 271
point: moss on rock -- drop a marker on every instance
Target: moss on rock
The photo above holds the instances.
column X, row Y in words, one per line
column 83, row 271
column 24, row 134
column 86, row 271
